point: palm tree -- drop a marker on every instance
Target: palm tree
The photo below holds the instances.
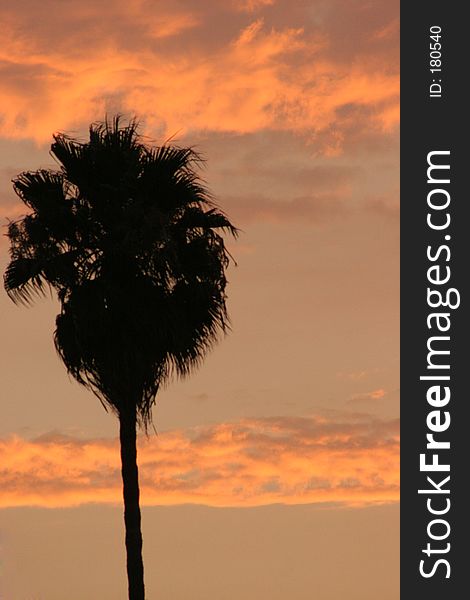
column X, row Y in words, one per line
column 129, row 238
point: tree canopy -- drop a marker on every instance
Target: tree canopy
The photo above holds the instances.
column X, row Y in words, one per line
column 131, row 240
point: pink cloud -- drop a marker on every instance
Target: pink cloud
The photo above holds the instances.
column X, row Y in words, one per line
column 314, row 209
column 169, row 68
column 291, row 460
column 252, row 5
column 368, row 397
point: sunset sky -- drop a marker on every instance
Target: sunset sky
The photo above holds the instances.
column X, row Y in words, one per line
column 273, row 471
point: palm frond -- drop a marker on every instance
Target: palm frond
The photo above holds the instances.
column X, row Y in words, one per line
column 40, row 190
column 130, row 238
column 24, row 279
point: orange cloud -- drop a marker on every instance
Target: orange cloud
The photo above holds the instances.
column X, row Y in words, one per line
column 353, row 375
column 311, row 209
column 373, row 395
column 166, row 67
column 252, row 462
column 251, row 5
column 368, row 398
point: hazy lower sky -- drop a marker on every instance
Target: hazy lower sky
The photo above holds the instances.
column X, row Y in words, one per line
column 274, row 473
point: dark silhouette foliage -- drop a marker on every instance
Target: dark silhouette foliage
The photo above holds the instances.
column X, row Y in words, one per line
column 130, row 239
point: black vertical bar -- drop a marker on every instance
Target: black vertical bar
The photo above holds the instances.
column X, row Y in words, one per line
column 434, row 118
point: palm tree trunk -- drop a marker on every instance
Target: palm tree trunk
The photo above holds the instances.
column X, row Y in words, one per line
column 130, row 479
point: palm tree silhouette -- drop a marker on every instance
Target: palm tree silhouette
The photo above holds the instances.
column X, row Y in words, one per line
column 127, row 236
